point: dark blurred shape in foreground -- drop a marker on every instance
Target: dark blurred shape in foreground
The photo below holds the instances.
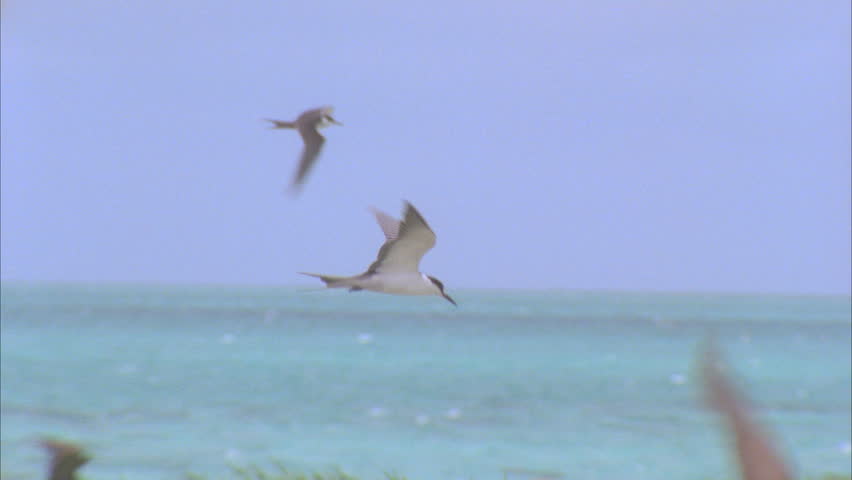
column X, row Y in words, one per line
column 759, row 459
column 65, row 459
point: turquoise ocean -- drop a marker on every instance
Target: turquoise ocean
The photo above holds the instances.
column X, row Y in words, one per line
column 156, row 382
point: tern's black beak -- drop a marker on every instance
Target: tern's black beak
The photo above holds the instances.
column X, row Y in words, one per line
column 449, row 299
column 332, row 120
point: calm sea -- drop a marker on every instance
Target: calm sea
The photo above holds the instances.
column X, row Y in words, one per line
column 159, row 381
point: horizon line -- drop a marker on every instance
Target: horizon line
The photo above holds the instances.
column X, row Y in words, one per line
column 582, row 290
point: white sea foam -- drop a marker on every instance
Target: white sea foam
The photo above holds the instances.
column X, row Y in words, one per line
column 377, row 412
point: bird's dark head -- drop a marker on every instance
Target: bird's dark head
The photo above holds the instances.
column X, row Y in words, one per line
column 440, row 286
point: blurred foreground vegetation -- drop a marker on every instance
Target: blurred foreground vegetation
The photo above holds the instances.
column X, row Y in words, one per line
column 281, row 472
column 67, row 457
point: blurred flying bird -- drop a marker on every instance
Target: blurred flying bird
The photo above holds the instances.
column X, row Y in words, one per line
column 308, row 125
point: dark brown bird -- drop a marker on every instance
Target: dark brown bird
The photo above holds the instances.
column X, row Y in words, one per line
column 308, row 125
column 65, row 459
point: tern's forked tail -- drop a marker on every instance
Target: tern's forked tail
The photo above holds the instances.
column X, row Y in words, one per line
column 332, row 281
column 281, row 123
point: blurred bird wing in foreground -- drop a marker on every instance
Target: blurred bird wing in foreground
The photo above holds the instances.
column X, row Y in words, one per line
column 759, row 459
column 65, row 458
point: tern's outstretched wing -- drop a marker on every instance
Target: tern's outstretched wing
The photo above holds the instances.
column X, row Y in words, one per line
column 402, row 254
column 389, row 225
column 313, row 144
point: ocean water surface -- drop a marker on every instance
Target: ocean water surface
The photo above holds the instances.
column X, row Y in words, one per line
column 159, row 381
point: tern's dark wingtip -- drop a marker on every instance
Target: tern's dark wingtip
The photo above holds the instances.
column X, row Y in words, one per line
column 409, row 206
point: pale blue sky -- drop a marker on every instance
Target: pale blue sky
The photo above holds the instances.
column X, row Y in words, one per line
column 651, row 145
